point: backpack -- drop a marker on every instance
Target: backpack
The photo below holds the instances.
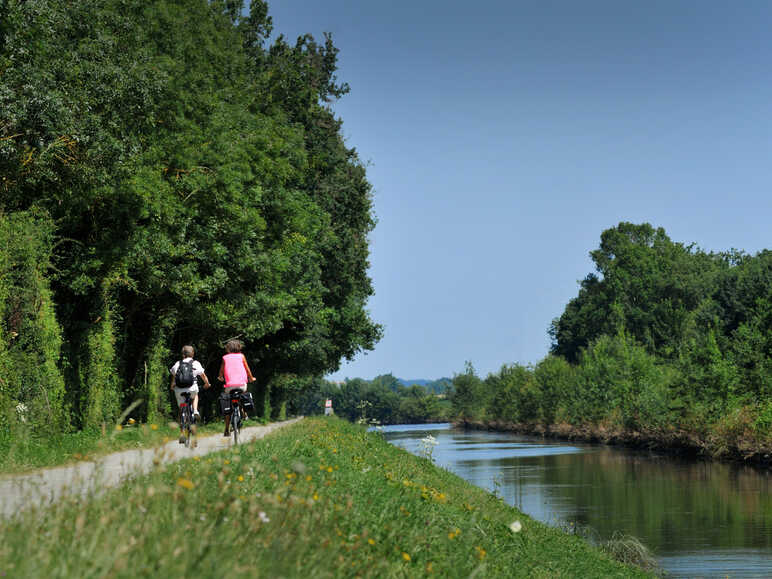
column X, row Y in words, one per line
column 184, row 376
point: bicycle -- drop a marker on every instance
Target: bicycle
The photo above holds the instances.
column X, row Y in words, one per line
column 236, row 416
column 186, row 420
column 234, row 396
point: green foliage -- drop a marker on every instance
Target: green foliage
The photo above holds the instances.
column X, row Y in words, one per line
column 707, row 376
column 153, row 390
column 646, row 285
column 282, row 389
column 619, row 379
column 200, row 187
column 763, row 423
column 557, row 382
column 516, row 394
column 416, row 405
column 663, row 338
column 31, row 386
column 616, row 381
column 383, row 400
column 101, row 398
column 470, row 397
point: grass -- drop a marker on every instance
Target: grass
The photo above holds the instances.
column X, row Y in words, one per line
column 631, row 551
column 319, row 498
column 27, row 451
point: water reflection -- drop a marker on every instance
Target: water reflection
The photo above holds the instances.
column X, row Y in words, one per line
column 702, row 519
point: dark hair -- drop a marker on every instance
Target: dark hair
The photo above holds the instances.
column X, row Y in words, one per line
column 233, row 346
column 188, row 352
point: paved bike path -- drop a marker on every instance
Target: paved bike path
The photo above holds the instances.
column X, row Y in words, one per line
column 48, row 485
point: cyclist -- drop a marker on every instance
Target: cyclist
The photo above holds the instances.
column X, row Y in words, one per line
column 235, row 372
column 184, row 379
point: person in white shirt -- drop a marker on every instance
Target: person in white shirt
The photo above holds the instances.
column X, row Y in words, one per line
column 195, row 370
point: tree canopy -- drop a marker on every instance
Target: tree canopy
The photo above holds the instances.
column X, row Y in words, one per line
column 194, row 185
column 662, row 338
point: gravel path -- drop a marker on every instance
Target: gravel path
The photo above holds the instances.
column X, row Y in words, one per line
column 48, row 485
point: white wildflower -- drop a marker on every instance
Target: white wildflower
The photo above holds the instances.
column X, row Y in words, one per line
column 263, row 517
column 427, row 446
column 516, row 527
column 21, row 411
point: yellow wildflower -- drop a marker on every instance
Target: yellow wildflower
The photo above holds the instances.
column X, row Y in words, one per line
column 405, row 556
column 185, row 483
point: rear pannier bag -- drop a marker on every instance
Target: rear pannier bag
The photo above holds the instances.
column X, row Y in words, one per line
column 225, row 403
column 246, row 402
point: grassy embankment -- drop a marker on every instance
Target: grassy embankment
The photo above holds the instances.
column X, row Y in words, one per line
column 320, row 498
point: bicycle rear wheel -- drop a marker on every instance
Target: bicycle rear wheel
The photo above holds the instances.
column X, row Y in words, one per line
column 187, row 422
column 236, row 424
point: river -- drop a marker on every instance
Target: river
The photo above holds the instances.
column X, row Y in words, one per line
column 700, row 518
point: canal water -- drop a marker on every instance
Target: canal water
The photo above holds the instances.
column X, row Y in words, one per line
column 700, row 519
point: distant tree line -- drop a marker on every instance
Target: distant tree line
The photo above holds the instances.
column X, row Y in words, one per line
column 382, row 400
column 168, row 176
column 663, row 339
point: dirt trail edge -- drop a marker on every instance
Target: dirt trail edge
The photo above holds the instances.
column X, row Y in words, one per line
column 48, row 485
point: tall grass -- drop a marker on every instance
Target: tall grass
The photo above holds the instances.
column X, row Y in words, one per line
column 631, row 551
column 320, row 498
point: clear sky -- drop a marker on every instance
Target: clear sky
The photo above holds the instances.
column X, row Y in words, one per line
column 504, row 136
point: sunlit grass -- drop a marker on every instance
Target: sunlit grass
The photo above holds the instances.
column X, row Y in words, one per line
column 320, row 498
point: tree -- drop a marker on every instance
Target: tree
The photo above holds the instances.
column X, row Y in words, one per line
column 646, row 285
column 470, row 396
column 195, row 198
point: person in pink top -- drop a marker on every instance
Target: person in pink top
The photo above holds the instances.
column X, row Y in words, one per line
column 235, row 372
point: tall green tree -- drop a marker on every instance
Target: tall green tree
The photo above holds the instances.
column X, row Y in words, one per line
column 644, row 284
column 195, row 197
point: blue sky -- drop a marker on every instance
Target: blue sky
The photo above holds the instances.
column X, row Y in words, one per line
column 503, row 137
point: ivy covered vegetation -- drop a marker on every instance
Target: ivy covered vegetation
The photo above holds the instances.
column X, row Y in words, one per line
column 664, row 344
column 169, row 175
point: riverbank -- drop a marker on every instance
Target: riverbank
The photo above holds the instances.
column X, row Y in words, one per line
column 320, row 498
column 673, row 441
